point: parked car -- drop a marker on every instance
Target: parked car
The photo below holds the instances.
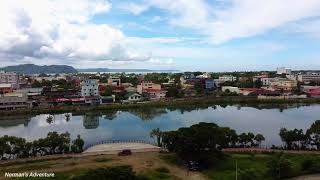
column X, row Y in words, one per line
column 193, row 166
column 125, row 152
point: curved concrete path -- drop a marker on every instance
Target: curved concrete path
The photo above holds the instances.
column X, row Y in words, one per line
column 114, row 148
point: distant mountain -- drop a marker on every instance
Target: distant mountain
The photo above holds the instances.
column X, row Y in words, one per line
column 35, row 69
column 122, row 70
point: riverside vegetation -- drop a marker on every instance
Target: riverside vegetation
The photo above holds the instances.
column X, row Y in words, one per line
column 224, row 101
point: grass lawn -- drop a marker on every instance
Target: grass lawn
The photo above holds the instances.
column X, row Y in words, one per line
column 225, row 169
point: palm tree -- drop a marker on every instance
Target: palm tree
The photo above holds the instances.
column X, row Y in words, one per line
column 50, row 119
column 67, row 116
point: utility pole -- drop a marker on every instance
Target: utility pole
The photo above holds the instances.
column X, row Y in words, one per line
column 236, row 169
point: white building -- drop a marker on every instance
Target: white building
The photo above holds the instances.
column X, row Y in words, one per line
column 132, row 97
column 90, row 88
column 309, row 77
column 9, row 78
column 266, row 81
column 226, row 78
column 283, row 70
column 147, row 85
column 230, row 89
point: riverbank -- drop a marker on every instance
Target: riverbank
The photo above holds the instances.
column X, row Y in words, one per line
column 205, row 101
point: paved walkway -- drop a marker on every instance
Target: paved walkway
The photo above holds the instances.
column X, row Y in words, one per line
column 261, row 150
column 307, row 177
column 114, row 148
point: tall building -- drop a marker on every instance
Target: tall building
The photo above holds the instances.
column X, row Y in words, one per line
column 114, row 81
column 9, row 78
column 283, row 84
column 283, row 70
column 90, row 88
column 312, row 77
column 226, row 78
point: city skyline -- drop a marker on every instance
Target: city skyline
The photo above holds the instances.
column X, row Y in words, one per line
column 199, row 35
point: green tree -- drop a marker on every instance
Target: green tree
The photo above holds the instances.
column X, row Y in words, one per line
column 108, row 91
column 258, row 139
column 313, row 134
column 157, row 135
column 198, row 142
column 78, row 144
column 279, row 166
column 294, row 139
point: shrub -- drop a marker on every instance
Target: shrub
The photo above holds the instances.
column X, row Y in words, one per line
column 311, row 165
column 163, row 170
column 109, row 173
column 248, row 174
column 279, row 166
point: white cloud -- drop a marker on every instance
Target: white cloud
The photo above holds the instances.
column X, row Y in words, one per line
column 134, row 8
column 310, row 28
column 225, row 20
column 33, row 30
column 247, row 18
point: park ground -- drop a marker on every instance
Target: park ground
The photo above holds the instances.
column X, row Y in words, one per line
column 147, row 163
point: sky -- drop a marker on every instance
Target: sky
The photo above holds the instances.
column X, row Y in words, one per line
column 186, row 35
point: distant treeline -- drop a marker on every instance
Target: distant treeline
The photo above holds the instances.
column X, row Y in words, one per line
column 12, row 147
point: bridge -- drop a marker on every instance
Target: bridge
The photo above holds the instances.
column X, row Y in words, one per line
column 115, row 146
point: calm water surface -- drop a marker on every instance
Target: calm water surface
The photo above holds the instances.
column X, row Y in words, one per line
column 136, row 124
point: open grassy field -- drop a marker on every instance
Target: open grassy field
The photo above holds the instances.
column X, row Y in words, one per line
column 148, row 164
column 225, row 169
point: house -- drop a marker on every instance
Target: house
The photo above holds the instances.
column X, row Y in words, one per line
column 314, row 93
column 6, row 88
column 132, row 97
column 226, row 78
column 145, row 85
column 107, row 99
column 114, row 81
column 210, row 84
column 308, row 89
column 169, row 84
column 266, row 81
column 9, row 78
column 283, row 84
column 155, row 94
column 14, row 101
column 90, row 87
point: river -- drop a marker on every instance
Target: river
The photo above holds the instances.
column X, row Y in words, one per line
column 136, row 124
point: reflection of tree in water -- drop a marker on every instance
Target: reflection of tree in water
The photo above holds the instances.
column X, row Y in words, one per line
column 8, row 121
column 50, row 119
column 147, row 114
column 91, row 121
column 110, row 115
column 189, row 108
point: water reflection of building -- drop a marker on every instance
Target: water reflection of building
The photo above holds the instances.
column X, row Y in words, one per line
column 91, row 121
column 147, row 114
column 10, row 121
